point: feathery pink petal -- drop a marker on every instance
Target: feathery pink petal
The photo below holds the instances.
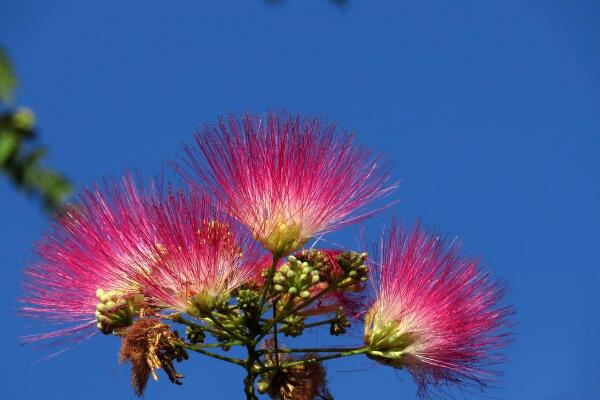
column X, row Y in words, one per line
column 436, row 314
column 203, row 251
column 92, row 246
column 286, row 177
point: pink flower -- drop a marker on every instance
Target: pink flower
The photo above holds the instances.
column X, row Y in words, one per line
column 117, row 252
column 204, row 254
column 436, row 314
column 288, row 178
column 88, row 258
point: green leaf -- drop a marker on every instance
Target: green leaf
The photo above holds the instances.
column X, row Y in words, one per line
column 8, row 81
column 9, row 143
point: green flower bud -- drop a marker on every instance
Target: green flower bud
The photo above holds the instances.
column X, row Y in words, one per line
column 388, row 340
column 293, row 325
column 24, row 119
column 195, row 335
column 114, row 310
column 114, row 295
column 339, row 324
column 263, row 387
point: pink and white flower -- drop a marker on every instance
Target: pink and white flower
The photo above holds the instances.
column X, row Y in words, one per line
column 91, row 255
column 435, row 314
column 286, row 177
column 204, row 254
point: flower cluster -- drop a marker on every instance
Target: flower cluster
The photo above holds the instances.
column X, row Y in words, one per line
column 225, row 258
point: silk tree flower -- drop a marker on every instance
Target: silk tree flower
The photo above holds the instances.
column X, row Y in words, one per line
column 83, row 273
column 286, row 177
column 204, row 254
column 435, row 314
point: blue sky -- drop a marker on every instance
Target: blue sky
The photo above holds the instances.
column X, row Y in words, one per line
column 490, row 111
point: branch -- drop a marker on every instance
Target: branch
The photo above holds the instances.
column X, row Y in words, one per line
column 312, row 350
column 313, row 360
column 198, row 349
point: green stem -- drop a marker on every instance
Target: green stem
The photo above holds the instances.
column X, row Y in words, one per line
column 275, row 333
column 200, row 350
column 178, row 319
column 319, row 323
column 213, row 345
column 267, row 286
column 313, row 360
column 251, row 372
column 312, row 350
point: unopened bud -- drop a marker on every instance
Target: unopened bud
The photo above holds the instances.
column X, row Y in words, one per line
column 263, row 386
column 24, row 119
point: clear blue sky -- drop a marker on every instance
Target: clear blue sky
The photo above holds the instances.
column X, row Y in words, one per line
column 490, row 110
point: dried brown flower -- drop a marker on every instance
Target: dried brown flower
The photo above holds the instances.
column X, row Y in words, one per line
column 149, row 345
column 300, row 382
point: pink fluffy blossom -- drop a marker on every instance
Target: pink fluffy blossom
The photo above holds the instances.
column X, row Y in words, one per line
column 127, row 248
column 436, row 314
column 204, row 254
column 286, row 177
column 94, row 245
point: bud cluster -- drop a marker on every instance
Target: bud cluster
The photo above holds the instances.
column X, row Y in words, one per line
column 293, row 325
column 317, row 258
column 353, row 265
column 228, row 325
column 114, row 310
column 195, row 334
column 203, row 304
column 339, row 323
column 295, row 278
column 248, row 299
